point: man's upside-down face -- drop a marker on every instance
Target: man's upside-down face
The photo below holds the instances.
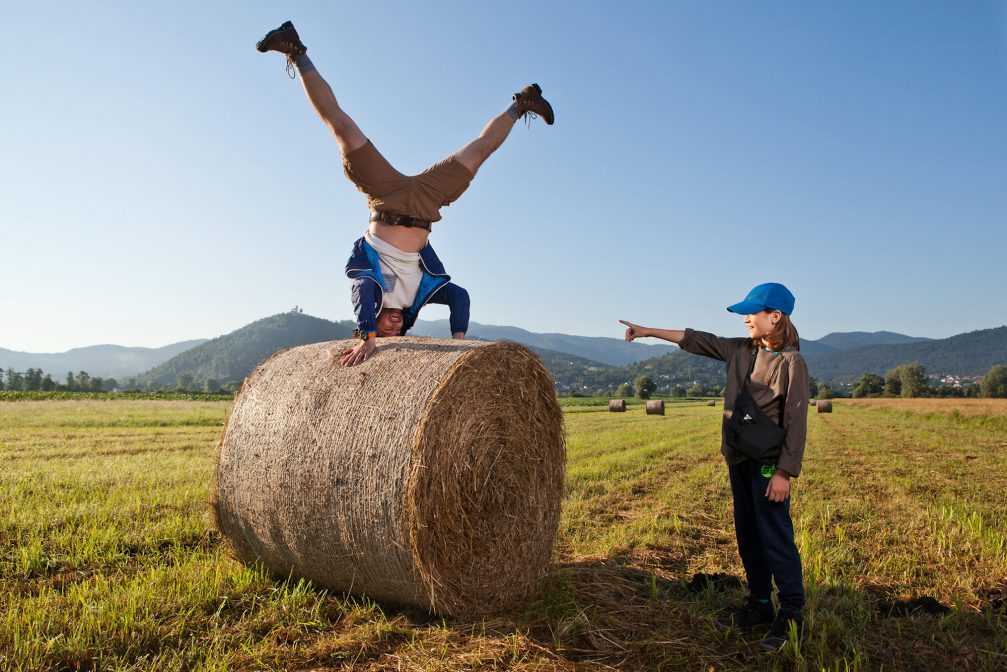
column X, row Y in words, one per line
column 390, row 322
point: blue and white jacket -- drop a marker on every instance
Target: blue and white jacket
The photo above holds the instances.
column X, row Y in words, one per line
column 364, row 269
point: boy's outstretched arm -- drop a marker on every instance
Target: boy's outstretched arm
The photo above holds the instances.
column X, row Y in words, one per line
column 634, row 331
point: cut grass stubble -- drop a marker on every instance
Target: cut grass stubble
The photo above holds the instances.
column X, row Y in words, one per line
column 107, row 560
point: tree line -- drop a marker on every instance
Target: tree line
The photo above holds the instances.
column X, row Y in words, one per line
column 906, row 380
column 910, row 380
column 36, row 380
column 644, row 387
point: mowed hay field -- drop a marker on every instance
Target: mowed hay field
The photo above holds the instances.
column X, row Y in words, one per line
column 107, row 560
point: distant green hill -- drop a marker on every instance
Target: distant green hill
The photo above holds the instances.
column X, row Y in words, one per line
column 607, row 350
column 971, row 354
column 857, row 339
column 227, row 360
column 678, row 368
column 668, row 371
column 566, row 369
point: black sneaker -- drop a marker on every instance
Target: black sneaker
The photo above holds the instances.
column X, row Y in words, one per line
column 751, row 614
column 283, row 39
column 779, row 632
column 529, row 99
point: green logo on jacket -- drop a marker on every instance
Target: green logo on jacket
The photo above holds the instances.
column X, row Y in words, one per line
column 768, row 470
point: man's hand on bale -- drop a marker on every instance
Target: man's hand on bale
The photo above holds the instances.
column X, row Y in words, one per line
column 360, row 353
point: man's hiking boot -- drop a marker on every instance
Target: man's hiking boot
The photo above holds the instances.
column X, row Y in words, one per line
column 529, row 99
column 751, row 614
column 779, row 632
column 283, row 39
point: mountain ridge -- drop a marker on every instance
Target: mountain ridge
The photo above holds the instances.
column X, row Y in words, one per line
column 970, row 354
column 577, row 362
column 603, row 349
column 227, row 360
column 104, row 360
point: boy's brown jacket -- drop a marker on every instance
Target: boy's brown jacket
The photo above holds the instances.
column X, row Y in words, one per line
column 779, row 387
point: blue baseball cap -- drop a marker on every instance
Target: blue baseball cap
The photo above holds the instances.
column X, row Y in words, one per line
column 771, row 295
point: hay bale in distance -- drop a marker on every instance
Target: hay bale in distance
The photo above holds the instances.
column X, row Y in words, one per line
column 655, row 407
column 430, row 474
column 813, row 402
column 824, row 406
column 711, row 403
column 617, row 406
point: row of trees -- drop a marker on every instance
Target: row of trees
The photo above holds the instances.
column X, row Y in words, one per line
column 34, row 380
column 910, row 380
column 37, row 380
column 186, row 382
column 644, row 387
column 907, row 380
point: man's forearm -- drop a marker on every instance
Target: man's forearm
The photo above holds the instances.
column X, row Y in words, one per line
column 363, row 297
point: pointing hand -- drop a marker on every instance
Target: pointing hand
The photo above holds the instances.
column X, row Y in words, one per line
column 634, row 331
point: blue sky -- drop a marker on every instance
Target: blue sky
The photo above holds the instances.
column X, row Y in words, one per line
column 161, row 180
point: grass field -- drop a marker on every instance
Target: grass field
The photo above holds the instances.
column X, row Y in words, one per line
column 107, row 561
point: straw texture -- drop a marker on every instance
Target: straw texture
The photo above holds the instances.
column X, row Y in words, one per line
column 655, row 407
column 617, row 406
column 431, row 474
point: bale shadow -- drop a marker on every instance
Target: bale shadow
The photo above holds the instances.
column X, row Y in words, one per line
column 613, row 612
column 653, row 613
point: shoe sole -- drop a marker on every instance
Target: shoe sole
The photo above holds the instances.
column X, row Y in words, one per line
column 551, row 118
column 261, row 44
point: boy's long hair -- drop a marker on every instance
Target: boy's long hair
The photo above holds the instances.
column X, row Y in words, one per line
column 784, row 334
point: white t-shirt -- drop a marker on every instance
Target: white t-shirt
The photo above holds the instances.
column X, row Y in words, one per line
column 401, row 270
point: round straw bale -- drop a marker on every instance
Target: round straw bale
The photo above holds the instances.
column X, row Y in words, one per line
column 813, row 402
column 430, row 474
column 711, row 403
column 655, row 407
column 617, row 405
column 824, row 406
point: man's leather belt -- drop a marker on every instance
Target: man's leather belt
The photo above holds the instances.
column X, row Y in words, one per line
column 407, row 221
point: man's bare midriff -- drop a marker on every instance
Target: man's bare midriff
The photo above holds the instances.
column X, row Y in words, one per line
column 407, row 239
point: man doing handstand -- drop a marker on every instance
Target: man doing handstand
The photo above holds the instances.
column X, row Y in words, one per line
column 394, row 270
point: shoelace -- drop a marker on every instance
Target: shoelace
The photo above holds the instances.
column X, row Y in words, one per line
column 527, row 115
column 290, row 66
